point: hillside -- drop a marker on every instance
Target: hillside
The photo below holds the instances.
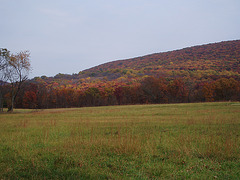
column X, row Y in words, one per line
column 217, row 57
column 196, row 74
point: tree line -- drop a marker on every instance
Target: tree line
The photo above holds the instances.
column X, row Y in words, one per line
column 149, row 90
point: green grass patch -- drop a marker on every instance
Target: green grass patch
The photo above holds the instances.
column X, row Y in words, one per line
column 170, row 141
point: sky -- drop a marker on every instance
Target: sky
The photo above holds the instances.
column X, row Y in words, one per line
column 68, row 36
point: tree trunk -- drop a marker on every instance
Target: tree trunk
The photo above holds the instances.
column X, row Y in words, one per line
column 10, row 109
column 1, row 102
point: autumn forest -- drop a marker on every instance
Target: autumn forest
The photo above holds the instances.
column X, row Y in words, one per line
column 203, row 73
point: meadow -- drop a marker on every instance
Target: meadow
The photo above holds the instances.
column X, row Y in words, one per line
column 163, row 141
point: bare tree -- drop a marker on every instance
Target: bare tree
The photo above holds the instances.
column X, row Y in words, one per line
column 17, row 72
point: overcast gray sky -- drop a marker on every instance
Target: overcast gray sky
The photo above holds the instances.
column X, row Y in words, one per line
column 68, row 36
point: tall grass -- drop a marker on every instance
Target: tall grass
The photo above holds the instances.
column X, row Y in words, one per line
column 193, row 141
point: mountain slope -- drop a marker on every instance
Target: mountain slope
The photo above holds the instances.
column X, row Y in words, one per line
column 199, row 62
column 223, row 56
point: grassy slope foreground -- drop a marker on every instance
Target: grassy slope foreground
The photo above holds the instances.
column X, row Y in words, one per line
column 122, row 142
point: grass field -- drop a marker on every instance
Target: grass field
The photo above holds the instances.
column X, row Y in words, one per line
column 173, row 141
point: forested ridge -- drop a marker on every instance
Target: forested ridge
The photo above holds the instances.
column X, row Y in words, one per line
column 196, row 74
column 217, row 56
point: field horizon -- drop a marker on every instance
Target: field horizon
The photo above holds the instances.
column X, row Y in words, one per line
column 154, row 141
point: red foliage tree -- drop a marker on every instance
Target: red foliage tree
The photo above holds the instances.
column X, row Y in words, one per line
column 30, row 100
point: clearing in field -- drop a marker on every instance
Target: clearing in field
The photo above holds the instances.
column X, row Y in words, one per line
column 196, row 141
